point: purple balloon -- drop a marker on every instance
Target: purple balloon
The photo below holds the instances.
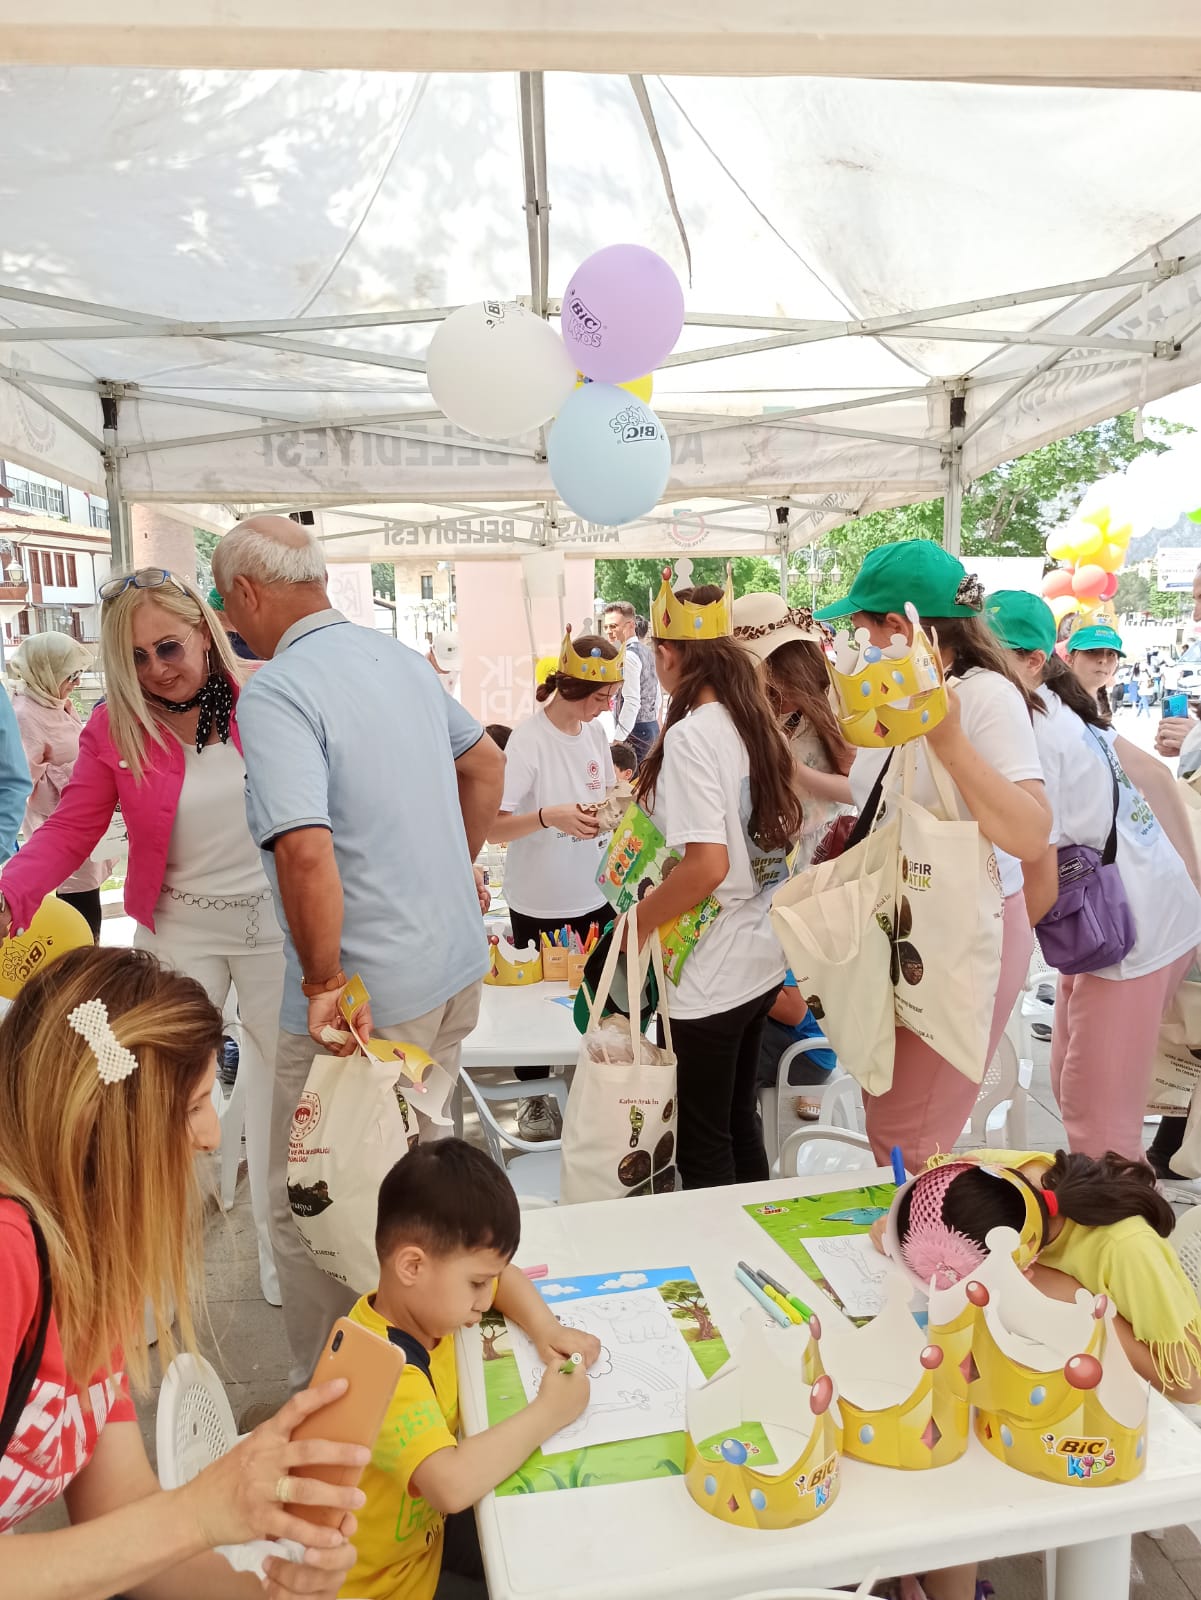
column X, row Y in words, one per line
column 622, row 313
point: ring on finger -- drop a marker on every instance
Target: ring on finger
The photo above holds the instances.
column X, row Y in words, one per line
column 283, row 1489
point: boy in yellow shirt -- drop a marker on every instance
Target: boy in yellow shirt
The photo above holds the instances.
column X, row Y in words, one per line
column 447, row 1228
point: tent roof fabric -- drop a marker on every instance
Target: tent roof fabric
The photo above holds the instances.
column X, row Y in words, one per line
column 1086, row 42
column 886, row 282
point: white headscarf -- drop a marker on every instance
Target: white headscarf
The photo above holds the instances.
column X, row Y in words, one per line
column 42, row 661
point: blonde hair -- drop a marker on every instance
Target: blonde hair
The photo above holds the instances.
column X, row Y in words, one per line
column 108, row 1169
column 132, row 721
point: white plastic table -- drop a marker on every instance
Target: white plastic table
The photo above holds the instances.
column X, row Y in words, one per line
column 648, row 1540
column 522, row 1027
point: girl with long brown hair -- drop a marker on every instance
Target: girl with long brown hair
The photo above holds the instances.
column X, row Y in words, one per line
column 787, row 644
column 986, row 744
column 557, row 771
column 107, row 1062
column 718, row 784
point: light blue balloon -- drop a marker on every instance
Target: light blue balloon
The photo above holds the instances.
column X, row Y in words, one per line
column 608, row 454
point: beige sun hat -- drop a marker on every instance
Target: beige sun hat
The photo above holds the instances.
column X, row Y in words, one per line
column 763, row 622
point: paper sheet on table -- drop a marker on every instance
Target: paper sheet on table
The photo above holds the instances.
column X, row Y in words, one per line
column 854, row 1269
column 638, row 1383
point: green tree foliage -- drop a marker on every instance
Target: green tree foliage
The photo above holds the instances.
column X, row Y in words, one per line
column 205, row 544
column 383, row 579
column 1007, row 512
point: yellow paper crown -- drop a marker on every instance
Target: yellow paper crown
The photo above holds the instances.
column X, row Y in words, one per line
column 682, row 619
column 512, row 968
column 870, row 680
column 1055, row 1394
column 904, row 1394
column 593, row 668
column 778, row 1382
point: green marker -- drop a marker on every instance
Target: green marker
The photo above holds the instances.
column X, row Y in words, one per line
column 800, row 1306
column 570, row 1366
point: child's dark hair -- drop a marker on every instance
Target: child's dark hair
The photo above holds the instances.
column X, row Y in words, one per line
column 499, row 734
column 447, row 1196
column 624, row 756
column 1094, row 1192
column 1061, row 680
column 588, row 644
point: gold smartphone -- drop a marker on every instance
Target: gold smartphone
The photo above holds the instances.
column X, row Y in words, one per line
column 372, row 1368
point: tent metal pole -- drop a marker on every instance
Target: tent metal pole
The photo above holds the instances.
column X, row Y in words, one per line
column 120, row 533
column 952, row 505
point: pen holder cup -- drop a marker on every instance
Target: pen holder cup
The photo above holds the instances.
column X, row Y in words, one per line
column 575, row 970
column 554, row 964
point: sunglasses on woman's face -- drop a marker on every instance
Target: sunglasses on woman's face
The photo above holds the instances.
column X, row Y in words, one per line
column 168, row 651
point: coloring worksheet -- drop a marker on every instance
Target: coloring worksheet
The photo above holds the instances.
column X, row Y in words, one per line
column 854, row 1269
column 639, row 1381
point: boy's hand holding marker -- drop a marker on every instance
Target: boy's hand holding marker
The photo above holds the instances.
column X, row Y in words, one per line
column 564, row 1391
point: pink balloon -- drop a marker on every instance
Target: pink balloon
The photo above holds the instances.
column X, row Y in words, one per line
column 1088, row 582
column 1111, row 586
column 1057, row 583
column 622, row 313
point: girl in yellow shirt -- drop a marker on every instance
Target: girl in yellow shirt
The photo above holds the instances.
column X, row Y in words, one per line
column 1096, row 1223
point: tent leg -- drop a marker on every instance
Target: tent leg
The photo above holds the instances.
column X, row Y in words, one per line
column 120, row 533
column 952, row 505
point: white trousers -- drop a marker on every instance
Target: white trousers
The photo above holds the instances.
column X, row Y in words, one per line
column 213, row 947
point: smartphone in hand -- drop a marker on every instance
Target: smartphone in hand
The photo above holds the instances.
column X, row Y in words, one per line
column 372, row 1369
column 1175, row 705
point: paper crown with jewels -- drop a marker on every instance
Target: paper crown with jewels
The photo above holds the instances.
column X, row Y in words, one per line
column 511, row 968
column 903, row 1393
column 595, row 667
column 1054, row 1391
column 887, row 695
column 684, row 619
column 779, row 1383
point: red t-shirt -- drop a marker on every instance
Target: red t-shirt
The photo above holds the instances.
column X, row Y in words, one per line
column 55, row 1436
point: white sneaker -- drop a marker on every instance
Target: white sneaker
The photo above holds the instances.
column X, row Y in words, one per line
column 538, row 1118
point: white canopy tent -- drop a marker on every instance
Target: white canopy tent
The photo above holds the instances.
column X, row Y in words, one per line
column 218, row 286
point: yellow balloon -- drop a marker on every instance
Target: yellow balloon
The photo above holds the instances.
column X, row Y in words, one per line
column 56, row 928
column 1064, row 605
column 1099, row 518
column 1060, row 545
column 1088, row 604
column 1087, row 544
column 640, row 388
column 543, row 668
column 1109, row 557
column 1120, row 536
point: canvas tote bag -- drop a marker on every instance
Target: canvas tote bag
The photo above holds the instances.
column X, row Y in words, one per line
column 948, row 927
column 619, row 1129
column 834, row 923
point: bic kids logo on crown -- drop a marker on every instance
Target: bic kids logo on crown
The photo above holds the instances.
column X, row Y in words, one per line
column 1084, row 1458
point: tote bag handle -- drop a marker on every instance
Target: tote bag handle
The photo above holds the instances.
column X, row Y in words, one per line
column 627, row 931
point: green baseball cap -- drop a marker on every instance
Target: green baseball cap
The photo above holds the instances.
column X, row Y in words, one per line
column 215, row 600
column 915, row 572
column 1100, row 636
column 1021, row 621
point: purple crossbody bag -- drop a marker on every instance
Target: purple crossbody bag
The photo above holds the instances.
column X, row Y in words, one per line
column 1090, row 926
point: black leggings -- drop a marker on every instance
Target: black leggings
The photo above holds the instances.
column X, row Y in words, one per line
column 717, row 1062
column 1169, row 1136
column 529, row 930
column 87, row 903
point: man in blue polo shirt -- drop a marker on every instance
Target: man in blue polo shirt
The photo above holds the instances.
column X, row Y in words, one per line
column 369, row 792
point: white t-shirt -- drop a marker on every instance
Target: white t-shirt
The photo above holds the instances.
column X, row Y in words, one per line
column 1165, row 905
column 549, row 873
column 704, row 797
column 997, row 724
column 211, row 851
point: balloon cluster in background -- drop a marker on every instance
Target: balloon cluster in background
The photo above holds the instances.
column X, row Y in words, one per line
column 1092, row 550
column 498, row 371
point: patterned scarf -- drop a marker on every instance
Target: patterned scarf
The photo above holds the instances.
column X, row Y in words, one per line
column 216, row 702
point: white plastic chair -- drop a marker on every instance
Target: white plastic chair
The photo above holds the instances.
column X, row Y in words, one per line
column 1030, row 1009
column 777, row 1126
column 999, row 1115
column 534, row 1170
column 1186, row 1241
column 813, row 1151
column 193, row 1425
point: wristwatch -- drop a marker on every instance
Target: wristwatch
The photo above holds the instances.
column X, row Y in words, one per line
column 309, row 987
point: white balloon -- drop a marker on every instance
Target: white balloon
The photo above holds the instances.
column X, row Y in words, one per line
column 498, row 371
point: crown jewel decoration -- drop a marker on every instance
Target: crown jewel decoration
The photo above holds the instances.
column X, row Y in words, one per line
column 113, row 1060
column 778, row 1382
column 888, row 695
column 683, row 619
column 511, row 968
column 592, row 668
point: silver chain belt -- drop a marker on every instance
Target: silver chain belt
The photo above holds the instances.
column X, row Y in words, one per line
column 205, row 902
